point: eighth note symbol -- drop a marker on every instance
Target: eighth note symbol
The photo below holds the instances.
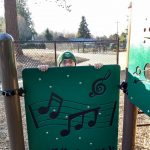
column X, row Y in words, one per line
column 45, row 109
column 91, row 123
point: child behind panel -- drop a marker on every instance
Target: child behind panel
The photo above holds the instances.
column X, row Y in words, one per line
column 66, row 59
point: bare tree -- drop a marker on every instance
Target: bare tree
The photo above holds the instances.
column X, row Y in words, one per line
column 12, row 23
column 60, row 3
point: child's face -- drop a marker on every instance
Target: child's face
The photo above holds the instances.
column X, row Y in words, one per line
column 67, row 63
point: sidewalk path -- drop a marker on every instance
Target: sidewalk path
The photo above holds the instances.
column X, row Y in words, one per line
column 104, row 58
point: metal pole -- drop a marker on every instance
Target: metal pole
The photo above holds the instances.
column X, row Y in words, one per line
column 117, row 45
column 78, row 47
column 83, row 46
column 130, row 110
column 55, row 53
column 10, row 82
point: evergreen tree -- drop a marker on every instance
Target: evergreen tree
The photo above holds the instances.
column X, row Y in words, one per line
column 48, row 35
column 83, row 31
column 113, row 37
column 123, row 39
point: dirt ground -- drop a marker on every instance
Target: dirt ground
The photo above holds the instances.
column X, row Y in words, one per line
column 142, row 133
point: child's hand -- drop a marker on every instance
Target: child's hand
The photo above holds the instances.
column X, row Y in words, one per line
column 97, row 66
column 43, row 67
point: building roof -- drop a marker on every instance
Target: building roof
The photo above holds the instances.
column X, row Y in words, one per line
column 82, row 39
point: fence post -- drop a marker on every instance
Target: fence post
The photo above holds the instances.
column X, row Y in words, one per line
column 55, row 53
column 83, row 46
column 117, row 49
column 10, row 82
column 78, row 47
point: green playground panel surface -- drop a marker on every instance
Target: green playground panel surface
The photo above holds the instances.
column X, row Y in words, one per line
column 139, row 59
column 72, row 108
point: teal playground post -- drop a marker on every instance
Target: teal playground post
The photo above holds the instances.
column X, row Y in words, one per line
column 10, row 92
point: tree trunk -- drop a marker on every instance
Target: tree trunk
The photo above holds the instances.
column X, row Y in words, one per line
column 12, row 23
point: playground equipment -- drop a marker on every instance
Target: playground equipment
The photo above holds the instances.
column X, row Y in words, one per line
column 138, row 76
column 130, row 110
column 46, row 106
column 67, row 110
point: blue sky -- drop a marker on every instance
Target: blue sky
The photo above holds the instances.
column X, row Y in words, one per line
column 101, row 15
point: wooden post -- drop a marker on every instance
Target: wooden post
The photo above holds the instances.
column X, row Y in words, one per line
column 10, row 82
column 130, row 110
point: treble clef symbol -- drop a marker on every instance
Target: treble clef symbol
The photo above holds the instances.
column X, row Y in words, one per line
column 98, row 87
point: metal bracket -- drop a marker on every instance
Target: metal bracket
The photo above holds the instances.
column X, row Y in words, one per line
column 123, row 87
column 7, row 93
column 21, row 92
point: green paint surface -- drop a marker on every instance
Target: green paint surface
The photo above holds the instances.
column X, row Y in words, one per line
column 139, row 58
column 72, row 108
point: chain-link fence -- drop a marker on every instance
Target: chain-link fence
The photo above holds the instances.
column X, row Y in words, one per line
column 34, row 53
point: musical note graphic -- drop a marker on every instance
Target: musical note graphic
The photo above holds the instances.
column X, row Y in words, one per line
column 98, row 87
column 91, row 123
column 113, row 113
column 45, row 110
column 138, row 71
column 33, row 117
column 76, row 115
column 146, row 72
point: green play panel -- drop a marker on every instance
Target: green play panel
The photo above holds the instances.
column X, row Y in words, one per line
column 72, row 108
column 139, row 57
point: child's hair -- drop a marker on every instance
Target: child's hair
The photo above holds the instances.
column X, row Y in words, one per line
column 65, row 55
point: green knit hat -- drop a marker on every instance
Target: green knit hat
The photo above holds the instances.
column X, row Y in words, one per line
column 65, row 55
